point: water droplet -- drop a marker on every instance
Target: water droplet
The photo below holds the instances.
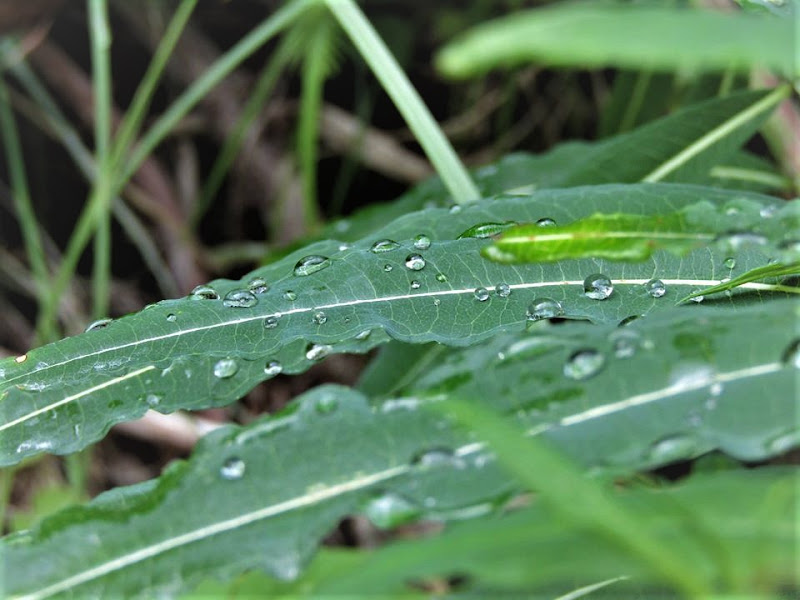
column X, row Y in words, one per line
column 171, row 318
column 597, row 287
column 697, row 299
column 152, row 400
column 784, row 442
column 481, row 294
column 486, row 230
column 544, row 308
column 790, row 357
column 384, row 246
column 625, row 342
column 436, row 301
column 716, row 389
column 656, row 288
column 735, row 241
column 363, row 335
column 422, row 242
column 326, row 404
column 584, row 364
column 437, row 457
column 441, row 277
column 289, row 295
column 311, row 264
column 387, row 268
column 320, row 318
column 546, row 222
column 730, row 263
column 225, row 368
column 258, row 285
column 390, row 510
column 343, row 247
column 239, row 299
column 99, row 324
column 455, row 209
column 415, row 285
column 204, row 292
column 768, row 211
column 670, row 449
column 232, row 469
column 318, row 351
column 273, row 368
column 415, row 262
column 503, row 290
column 271, row 322
column 21, row 358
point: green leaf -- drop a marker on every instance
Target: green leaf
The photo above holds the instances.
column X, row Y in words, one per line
column 635, row 237
column 199, row 351
column 638, row 36
column 262, row 496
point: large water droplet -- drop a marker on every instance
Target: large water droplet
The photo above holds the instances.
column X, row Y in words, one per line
column 204, row 292
column 320, row 318
column 791, row 356
column 384, row 246
column 271, row 322
column 670, row 449
column 273, row 368
column 258, row 285
column 544, row 308
column 584, row 364
column 225, row 368
column 99, row 324
column 239, row 299
column 656, row 288
column 232, row 469
column 422, row 242
column 730, row 263
column 597, row 286
column 546, row 222
column 503, row 290
column 415, row 262
column 481, row 294
column 318, row 351
column 390, row 510
column 311, row 264
column 486, row 230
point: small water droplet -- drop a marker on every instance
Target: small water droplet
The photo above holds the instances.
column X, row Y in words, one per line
column 326, row 404
column 273, row 368
column 437, row 457
column 289, row 295
column 311, row 264
column 415, row 262
column 422, row 242
column 343, row 247
column 320, row 318
column 258, row 285
column 172, row 318
column 436, row 301
column 455, row 209
column 481, row 294
column 390, row 510
column 271, row 322
column 415, row 285
column 152, row 400
column 791, row 356
column 544, row 308
column 670, row 449
column 546, row 222
column 597, row 287
column 441, row 277
column 387, row 268
column 730, row 263
column 735, row 241
column 584, row 364
column 21, row 358
column 232, row 469
column 503, row 290
column 625, row 342
column 99, row 324
column 239, row 299
column 363, row 335
column 383, row 246
column 768, row 211
column 656, row 288
column 716, row 389
column 225, row 368
column 486, row 230
column 697, row 299
column 204, row 292
column 318, row 351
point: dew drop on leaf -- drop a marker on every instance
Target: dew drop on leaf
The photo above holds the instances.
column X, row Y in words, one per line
column 455, row 209
column 791, row 356
column 99, row 324
column 363, row 335
column 584, row 364
column 21, row 358
column 326, row 404
column 273, row 368
column 172, row 318
column 437, row 457
column 503, row 290
column 422, row 242
column 597, row 287
column 481, row 294
column 390, row 510
column 656, row 288
column 545, row 222
column 672, row 448
column 730, row 263
column 415, row 285
column 289, row 295
column 152, row 400
column 258, row 286
column 225, row 368
column 383, row 246
column 320, row 318
column 311, row 264
column 441, row 277
column 485, row 230
column 387, row 268
column 239, row 299
column 318, row 351
column 232, row 469
column 415, row 262
column 544, row 308
column 625, row 342
column 204, row 292
column 271, row 322
column 697, row 299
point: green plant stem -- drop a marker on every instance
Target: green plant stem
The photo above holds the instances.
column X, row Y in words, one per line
column 22, row 202
column 406, row 99
column 717, row 134
column 100, row 37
